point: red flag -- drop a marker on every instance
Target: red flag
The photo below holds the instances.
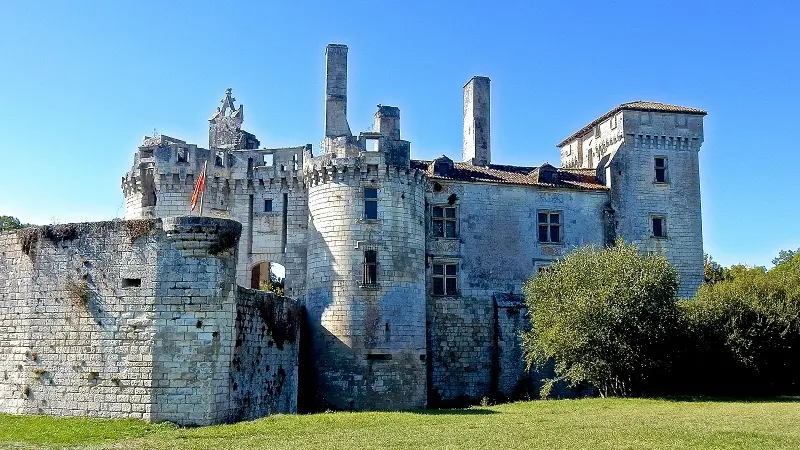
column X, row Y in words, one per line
column 199, row 186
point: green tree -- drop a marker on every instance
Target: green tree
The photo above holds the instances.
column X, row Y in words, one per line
column 10, row 223
column 604, row 317
column 745, row 331
column 714, row 271
column 785, row 256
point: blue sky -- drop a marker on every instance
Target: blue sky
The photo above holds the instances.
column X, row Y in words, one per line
column 82, row 82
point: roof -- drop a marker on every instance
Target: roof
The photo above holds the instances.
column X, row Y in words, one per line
column 634, row 106
column 583, row 179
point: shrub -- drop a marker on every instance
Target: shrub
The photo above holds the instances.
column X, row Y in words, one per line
column 743, row 333
column 605, row 316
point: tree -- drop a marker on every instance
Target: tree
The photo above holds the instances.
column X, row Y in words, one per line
column 604, row 316
column 10, row 223
column 785, row 256
column 714, row 271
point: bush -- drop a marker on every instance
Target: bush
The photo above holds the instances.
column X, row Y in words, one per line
column 606, row 317
column 743, row 333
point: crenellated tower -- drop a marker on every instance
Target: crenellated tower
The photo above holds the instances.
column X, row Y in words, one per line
column 365, row 287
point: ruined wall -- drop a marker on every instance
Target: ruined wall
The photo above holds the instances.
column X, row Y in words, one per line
column 496, row 250
column 76, row 333
column 122, row 319
column 265, row 371
column 368, row 340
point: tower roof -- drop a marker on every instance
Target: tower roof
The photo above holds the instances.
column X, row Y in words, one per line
column 638, row 105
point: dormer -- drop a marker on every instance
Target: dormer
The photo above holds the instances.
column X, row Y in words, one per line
column 547, row 174
column 442, row 166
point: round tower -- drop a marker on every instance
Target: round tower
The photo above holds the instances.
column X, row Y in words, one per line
column 366, row 280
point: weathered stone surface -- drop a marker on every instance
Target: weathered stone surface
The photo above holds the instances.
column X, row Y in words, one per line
column 135, row 319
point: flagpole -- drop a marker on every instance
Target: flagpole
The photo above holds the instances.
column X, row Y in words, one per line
column 203, row 190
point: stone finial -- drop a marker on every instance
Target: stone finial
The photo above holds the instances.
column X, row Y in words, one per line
column 228, row 104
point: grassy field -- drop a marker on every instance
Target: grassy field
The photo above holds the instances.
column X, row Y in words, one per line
column 562, row 424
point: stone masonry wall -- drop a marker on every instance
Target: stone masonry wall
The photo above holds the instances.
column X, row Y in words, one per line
column 265, row 370
column 76, row 332
column 123, row 319
column 496, row 250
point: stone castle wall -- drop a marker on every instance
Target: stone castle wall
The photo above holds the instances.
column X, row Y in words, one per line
column 126, row 319
column 496, row 250
column 368, row 340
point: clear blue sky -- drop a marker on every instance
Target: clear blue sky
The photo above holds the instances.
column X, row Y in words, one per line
column 82, row 82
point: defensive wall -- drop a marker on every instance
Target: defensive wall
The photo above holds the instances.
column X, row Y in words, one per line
column 141, row 319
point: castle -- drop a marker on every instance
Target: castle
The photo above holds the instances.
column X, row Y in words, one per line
column 407, row 273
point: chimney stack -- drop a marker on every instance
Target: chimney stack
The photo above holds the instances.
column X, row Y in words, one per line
column 477, row 149
column 336, row 91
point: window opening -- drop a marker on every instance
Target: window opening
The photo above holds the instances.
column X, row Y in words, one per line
column 268, row 205
column 294, row 161
column 183, row 155
column 444, row 221
column 268, row 159
column 370, row 267
column 445, row 279
column 661, row 170
column 658, row 227
column 370, row 203
column 549, row 226
column 219, row 159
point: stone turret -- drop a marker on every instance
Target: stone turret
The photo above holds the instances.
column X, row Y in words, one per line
column 365, row 288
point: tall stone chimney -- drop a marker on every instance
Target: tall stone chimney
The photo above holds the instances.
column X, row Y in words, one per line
column 336, row 91
column 477, row 148
column 387, row 121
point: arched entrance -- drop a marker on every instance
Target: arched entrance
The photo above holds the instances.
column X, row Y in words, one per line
column 268, row 276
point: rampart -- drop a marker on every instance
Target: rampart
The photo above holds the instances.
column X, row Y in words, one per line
column 141, row 319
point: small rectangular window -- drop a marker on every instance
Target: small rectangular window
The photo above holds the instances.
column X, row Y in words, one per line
column 295, row 162
column 445, row 279
column 370, row 267
column 659, row 228
column 597, row 131
column 660, row 165
column 219, row 159
column 268, row 205
column 549, row 226
column 183, row 155
column 370, row 203
column 268, row 160
column 444, row 221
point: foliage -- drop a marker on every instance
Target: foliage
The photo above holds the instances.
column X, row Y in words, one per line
column 744, row 332
column 274, row 284
column 11, row 223
column 604, row 316
column 600, row 424
column 785, row 256
column 713, row 271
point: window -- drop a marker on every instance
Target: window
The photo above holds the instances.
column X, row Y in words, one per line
column 549, row 226
column 295, row 161
column 613, row 122
column 268, row 159
column 183, row 155
column 680, row 121
column 219, row 159
column 370, row 267
column 370, row 203
column 659, row 227
column 597, row 131
column 268, row 205
column 660, row 164
column 444, row 221
column 542, row 269
column 445, row 278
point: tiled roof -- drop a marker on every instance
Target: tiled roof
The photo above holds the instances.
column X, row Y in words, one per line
column 634, row 106
column 584, row 179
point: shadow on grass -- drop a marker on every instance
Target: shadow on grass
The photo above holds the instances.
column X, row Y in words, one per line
column 454, row 412
column 724, row 399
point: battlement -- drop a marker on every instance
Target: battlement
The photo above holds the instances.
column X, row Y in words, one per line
column 367, row 166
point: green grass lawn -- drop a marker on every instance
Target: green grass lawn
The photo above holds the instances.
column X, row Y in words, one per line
column 561, row 424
